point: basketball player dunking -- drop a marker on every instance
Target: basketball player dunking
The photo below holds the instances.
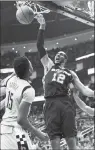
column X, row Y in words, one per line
column 59, row 110
column 19, row 96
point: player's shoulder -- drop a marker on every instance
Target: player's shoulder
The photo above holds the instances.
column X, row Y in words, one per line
column 67, row 70
column 30, row 89
column 26, row 86
column 73, row 74
column 29, row 93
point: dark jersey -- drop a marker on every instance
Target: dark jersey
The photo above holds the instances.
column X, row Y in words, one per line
column 56, row 82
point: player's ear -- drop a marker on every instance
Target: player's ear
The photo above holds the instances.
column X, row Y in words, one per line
column 65, row 61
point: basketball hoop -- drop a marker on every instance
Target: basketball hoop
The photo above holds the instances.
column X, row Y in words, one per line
column 37, row 9
column 70, row 8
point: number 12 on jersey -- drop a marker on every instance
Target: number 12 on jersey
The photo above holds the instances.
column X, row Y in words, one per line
column 59, row 78
column 10, row 100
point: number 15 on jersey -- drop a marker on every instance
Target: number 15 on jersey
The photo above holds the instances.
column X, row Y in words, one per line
column 10, row 100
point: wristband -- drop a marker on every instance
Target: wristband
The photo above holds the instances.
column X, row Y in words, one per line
column 42, row 27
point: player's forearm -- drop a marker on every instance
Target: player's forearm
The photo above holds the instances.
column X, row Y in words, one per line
column 28, row 126
column 88, row 92
column 40, row 41
column 83, row 89
column 79, row 102
column 90, row 110
column 78, row 84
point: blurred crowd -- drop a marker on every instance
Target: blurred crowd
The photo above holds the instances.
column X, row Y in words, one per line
column 73, row 52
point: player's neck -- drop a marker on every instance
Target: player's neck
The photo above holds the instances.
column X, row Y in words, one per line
column 26, row 78
column 62, row 65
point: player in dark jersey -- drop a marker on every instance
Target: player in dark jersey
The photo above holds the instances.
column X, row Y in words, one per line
column 59, row 111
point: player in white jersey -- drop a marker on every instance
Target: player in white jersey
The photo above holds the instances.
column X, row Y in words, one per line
column 19, row 97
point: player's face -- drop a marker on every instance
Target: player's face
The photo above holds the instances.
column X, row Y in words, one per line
column 60, row 57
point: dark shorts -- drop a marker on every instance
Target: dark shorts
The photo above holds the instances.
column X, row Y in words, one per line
column 59, row 116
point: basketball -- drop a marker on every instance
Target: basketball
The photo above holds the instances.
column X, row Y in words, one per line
column 25, row 14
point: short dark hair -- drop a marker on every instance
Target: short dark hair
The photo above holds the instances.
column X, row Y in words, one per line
column 21, row 66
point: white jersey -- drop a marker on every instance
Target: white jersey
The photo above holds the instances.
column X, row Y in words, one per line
column 47, row 64
column 17, row 90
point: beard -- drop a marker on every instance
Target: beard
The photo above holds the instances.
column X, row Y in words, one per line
column 61, row 61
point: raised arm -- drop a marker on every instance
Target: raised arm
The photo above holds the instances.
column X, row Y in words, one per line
column 83, row 89
column 3, row 84
column 46, row 61
column 82, row 105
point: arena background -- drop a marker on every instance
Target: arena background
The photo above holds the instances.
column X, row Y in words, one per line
column 73, row 37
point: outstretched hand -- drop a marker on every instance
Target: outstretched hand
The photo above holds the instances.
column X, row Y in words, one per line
column 40, row 19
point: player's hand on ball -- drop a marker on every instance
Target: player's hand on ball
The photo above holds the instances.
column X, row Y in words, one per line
column 40, row 19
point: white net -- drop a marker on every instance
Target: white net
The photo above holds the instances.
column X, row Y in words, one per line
column 37, row 9
column 86, row 7
column 91, row 8
column 82, row 6
column 80, row 10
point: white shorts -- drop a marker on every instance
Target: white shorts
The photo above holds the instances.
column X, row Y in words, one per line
column 13, row 138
